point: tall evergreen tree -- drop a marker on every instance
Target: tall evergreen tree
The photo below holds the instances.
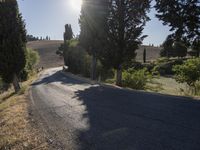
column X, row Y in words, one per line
column 144, row 55
column 196, row 46
column 12, row 42
column 173, row 48
column 93, row 29
column 125, row 25
column 68, row 35
column 183, row 17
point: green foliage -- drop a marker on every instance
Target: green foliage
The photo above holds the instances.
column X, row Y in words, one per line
column 12, row 41
column 172, row 48
column 162, row 60
column 179, row 49
column 135, row 65
column 177, row 14
column 167, row 47
column 77, row 59
column 31, row 38
column 93, row 26
column 188, row 72
column 125, row 25
column 196, row 47
column 32, row 59
column 68, row 34
column 135, row 79
column 164, row 66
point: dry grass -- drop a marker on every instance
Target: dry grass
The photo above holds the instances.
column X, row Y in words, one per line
column 47, row 52
column 166, row 85
column 17, row 131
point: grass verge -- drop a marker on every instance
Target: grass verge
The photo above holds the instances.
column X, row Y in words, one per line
column 17, row 130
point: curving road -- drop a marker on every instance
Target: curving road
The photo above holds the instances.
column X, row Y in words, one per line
column 84, row 116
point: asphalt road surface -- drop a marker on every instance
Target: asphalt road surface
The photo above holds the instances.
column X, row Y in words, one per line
column 84, row 116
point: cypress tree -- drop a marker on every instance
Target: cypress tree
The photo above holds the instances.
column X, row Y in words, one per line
column 93, row 22
column 144, row 55
column 12, row 42
column 125, row 25
column 68, row 35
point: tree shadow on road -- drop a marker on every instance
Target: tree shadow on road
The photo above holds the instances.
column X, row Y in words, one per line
column 130, row 120
column 124, row 120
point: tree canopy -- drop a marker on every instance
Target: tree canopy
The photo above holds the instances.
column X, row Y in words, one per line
column 125, row 25
column 93, row 23
column 12, row 42
column 173, row 48
column 182, row 16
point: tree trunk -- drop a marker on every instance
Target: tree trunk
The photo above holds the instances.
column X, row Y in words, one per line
column 93, row 67
column 119, row 77
column 197, row 53
column 16, row 83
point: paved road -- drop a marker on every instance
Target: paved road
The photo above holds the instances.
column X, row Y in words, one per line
column 83, row 116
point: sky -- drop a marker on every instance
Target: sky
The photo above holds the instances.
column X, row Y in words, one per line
column 48, row 17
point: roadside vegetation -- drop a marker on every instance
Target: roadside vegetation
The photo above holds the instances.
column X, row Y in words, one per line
column 106, row 48
column 17, row 68
column 18, row 130
column 111, row 32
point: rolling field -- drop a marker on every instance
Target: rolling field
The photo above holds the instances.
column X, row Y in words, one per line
column 47, row 51
column 152, row 53
column 48, row 58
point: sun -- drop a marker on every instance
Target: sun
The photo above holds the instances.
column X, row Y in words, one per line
column 76, row 4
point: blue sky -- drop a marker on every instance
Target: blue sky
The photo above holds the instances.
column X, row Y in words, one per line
column 48, row 17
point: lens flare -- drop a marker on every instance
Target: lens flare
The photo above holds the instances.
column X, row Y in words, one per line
column 76, row 4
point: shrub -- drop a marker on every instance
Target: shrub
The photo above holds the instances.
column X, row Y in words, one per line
column 162, row 60
column 32, row 59
column 135, row 79
column 165, row 66
column 188, row 72
column 78, row 60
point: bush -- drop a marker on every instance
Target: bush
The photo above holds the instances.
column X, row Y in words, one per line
column 78, row 60
column 188, row 72
column 135, row 79
column 165, row 66
column 32, row 59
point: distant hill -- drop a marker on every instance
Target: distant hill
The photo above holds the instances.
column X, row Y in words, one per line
column 47, row 51
column 48, row 58
column 152, row 53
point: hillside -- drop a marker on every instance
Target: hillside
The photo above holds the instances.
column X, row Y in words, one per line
column 152, row 53
column 47, row 51
column 48, row 58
